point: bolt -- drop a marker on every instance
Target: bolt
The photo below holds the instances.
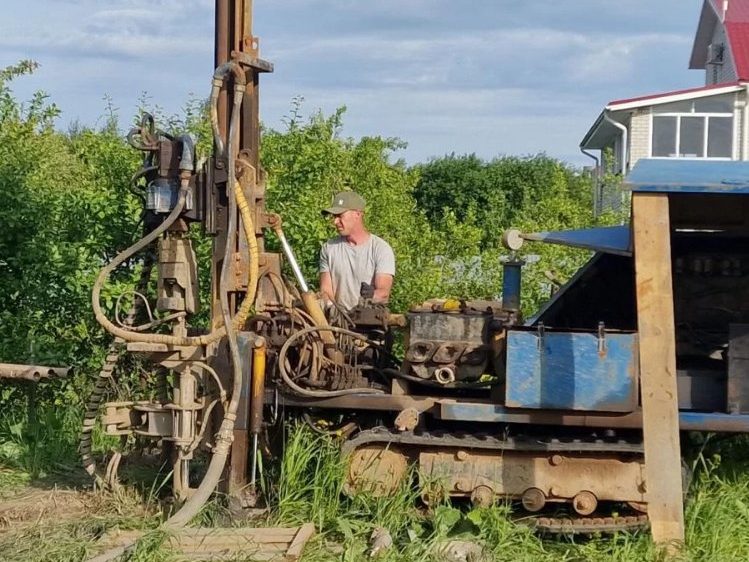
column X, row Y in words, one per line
column 461, row 455
column 556, row 460
column 554, row 491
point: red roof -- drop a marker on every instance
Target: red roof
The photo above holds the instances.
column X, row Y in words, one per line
column 738, row 36
column 738, row 10
column 736, row 23
column 673, row 93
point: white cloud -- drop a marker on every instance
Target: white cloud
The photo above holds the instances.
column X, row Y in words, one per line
column 618, row 57
column 139, row 30
column 483, row 76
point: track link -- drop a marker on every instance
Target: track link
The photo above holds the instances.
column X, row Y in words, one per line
column 587, row 525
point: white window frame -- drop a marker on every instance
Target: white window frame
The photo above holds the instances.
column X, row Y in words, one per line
column 677, row 140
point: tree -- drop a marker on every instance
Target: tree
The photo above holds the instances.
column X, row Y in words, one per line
column 65, row 212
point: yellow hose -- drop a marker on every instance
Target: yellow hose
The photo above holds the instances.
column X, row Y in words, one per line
column 239, row 319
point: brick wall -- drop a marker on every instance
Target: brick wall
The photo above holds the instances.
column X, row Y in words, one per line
column 639, row 136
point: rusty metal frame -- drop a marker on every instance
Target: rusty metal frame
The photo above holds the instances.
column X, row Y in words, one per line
column 234, row 41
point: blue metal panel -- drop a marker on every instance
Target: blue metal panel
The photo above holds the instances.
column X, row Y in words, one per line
column 609, row 239
column 572, row 371
column 495, row 413
column 689, row 176
column 700, row 421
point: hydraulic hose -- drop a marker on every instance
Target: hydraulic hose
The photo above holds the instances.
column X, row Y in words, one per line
column 104, row 380
column 219, row 76
column 186, row 166
column 320, row 393
column 225, row 434
column 244, row 309
column 127, row 335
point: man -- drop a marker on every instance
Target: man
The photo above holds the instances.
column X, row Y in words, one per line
column 355, row 256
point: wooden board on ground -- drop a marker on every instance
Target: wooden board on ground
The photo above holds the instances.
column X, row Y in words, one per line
column 655, row 322
column 223, row 543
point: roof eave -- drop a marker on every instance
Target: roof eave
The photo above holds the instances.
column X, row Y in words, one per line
column 588, row 142
column 667, row 98
column 592, row 131
column 708, row 20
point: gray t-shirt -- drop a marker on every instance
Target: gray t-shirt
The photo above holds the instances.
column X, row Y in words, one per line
column 350, row 266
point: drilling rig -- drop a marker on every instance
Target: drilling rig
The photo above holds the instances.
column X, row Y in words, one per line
column 574, row 414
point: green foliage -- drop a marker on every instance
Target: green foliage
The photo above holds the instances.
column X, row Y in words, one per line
column 307, row 164
column 534, row 193
column 502, row 192
column 65, row 212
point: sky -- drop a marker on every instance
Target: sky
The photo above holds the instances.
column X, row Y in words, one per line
column 489, row 77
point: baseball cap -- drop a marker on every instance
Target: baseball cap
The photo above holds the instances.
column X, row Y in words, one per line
column 345, row 201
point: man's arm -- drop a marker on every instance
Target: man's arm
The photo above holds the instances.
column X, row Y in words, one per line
column 326, row 285
column 383, row 282
column 384, row 272
column 327, row 291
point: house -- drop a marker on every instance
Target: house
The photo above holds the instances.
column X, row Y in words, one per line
column 708, row 122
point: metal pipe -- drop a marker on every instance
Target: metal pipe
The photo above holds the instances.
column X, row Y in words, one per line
column 625, row 133
column 511, row 284
column 745, row 125
column 596, row 178
column 289, row 253
column 31, row 372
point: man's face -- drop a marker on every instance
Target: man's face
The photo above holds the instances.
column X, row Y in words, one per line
column 347, row 222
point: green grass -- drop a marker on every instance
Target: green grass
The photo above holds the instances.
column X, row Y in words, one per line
column 307, row 486
column 309, row 489
column 45, row 445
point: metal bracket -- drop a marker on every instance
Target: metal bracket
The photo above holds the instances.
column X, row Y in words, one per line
column 601, row 337
column 541, row 334
column 253, row 62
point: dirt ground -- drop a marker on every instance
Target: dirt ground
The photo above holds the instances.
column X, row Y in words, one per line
column 31, row 506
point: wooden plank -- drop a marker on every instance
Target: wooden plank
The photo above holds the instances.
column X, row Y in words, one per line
column 217, row 535
column 297, row 545
column 738, row 368
column 230, row 557
column 655, row 320
column 219, row 543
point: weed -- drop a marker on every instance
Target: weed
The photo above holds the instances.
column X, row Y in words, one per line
column 307, row 485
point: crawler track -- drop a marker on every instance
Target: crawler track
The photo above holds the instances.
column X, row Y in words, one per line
column 542, row 523
column 488, row 441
